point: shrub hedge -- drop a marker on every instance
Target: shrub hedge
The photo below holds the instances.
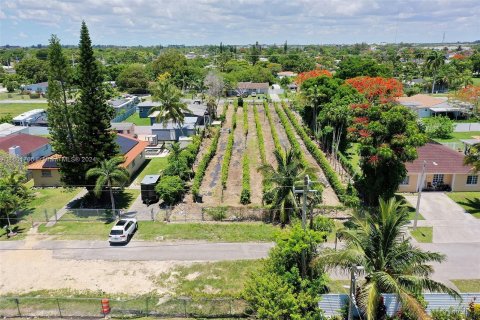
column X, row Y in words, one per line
column 319, row 156
column 227, row 156
column 245, row 195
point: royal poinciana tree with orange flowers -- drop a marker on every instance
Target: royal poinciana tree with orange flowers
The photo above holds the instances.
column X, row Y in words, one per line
column 301, row 77
column 471, row 95
column 388, row 134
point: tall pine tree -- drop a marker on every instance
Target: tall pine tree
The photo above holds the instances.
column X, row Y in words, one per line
column 95, row 139
column 61, row 113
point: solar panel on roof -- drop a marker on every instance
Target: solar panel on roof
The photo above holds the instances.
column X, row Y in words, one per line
column 50, row 163
column 125, row 144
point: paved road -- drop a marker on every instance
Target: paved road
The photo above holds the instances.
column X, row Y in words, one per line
column 143, row 250
column 451, row 224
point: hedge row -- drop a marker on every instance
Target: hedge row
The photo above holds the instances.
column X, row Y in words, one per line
column 245, row 195
column 227, row 156
column 261, row 141
column 276, row 140
column 202, row 166
column 223, row 116
column 293, row 139
column 322, row 161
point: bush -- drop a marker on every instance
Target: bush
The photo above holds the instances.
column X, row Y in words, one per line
column 217, row 214
column 245, row 195
column 240, row 102
column 450, row 314
column 202, row 167
column 323, row 224
column 34, row 95
column 319, row 156
column 170, row 189
column 227, row 156
column 438, row 127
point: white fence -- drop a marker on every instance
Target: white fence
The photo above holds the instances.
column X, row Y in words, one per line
column 332, row 304
column 466, row 127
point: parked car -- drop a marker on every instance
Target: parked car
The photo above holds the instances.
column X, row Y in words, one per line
column 123, row 230
column 254, row 94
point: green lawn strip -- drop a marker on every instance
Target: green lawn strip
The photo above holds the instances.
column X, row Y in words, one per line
column 15, row 96
column 468, row 285
column 457, row 136
column 338, row 286
column 411, row 209
column 14, row 109
column 476, row 81
column 470, row 201
column 202, row 166
column 423, row 234
column 135, row 119
column 209, row 280
column 149, row 230
column 151, row 166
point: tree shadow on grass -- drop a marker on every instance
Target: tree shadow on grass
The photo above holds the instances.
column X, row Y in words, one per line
column 471, row 205
column 15, row 228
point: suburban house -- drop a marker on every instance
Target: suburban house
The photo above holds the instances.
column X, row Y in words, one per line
column 26, row 146
column 7, row 129
column 35, row 117
column 41, row 87
column 123, row 104
column 46, row 173
column 126, row 128
column 250, row 87
column 144, row 108
column 426, row 106
column 444, row 170
column 286, row 74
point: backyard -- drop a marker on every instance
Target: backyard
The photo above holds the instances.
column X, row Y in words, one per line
column 136, row 120
column 14, row 109
column 151, row 166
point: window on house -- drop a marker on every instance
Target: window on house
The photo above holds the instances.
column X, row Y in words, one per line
column 437, row 179
column 406, row 181
column 46, row 173
column 472, row 179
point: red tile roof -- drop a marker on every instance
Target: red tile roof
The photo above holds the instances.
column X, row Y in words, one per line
column 26, row 142
column 440, row 159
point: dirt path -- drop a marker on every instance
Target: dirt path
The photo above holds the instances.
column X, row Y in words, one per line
column 329, row 197
column 256, row 177
column 282, row 136
column 267, row 136
column 231, row 195
column 211, row 186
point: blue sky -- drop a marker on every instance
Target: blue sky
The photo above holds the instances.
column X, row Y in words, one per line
column 153, row 22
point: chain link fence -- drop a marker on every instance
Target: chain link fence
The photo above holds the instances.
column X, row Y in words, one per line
column 143, row 306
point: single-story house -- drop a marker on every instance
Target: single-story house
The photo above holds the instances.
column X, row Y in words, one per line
column 250, row 87
column 7, row 129
column 46, row 173
column 172, row 132
column 444, row 170
column 126, row 128
column 41, row 87
column 32, row 117
column 426, row 106
column 28, row 147
column 286, row 74
column 144, row 108
column 121, row 105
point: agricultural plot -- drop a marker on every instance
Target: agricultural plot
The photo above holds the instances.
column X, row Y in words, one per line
column 232, row 177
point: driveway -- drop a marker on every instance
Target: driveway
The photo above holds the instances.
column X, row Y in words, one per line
column 451, row 224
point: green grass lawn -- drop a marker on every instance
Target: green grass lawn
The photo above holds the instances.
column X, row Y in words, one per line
column 457, row 136
column 149, row 230
column 410, row 208
column 44, row 199
column 470, row 201
column 151, row 166
column 476, row 81
column 352, row 154
column 135, row 119
column 14, row 109
column 213, row 279
column 469, row 285
column 423, row 234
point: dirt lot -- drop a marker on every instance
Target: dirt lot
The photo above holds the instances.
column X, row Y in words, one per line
column 24, row 270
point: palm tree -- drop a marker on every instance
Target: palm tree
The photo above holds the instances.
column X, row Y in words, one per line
column 289, row 173
column 171, row 108
column 392, row 264
column 109, row 174
column 435, row 59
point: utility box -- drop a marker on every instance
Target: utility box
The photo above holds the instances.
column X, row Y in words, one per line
column 147, row 188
